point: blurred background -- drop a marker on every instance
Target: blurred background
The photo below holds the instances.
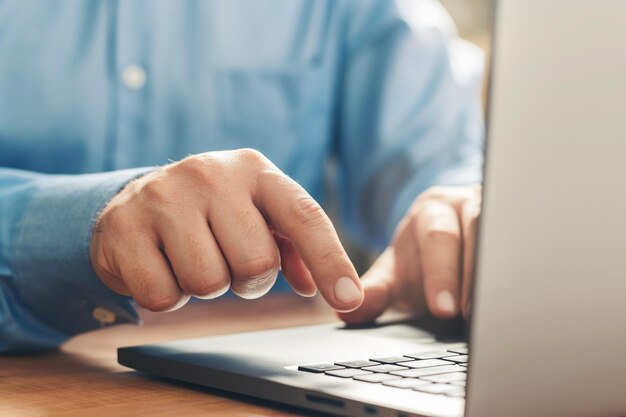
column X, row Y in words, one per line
column 473, row 20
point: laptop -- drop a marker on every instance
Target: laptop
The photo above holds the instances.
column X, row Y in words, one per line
column 548, row 325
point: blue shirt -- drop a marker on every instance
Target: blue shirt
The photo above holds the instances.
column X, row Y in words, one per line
column 93, row 94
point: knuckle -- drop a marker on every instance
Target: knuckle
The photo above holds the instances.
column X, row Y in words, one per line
column 332, row 256
column 306, row 211
column 271, row 176
column 450, row 193
column 251, row 157
column 435, row 233
column 257, row 277
column 436, row 192
column 206, row 284
column 159, row 302
column 258, row 267
column 156, row 191
column 204, row 172
column 196, row 166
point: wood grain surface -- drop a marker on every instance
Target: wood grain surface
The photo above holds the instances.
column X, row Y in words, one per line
column 84, row 379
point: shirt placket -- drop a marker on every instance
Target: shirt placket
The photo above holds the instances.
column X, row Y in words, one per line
column 132, row 84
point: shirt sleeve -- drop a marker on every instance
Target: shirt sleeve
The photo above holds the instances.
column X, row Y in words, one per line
column 411, row 114
column 48, row 289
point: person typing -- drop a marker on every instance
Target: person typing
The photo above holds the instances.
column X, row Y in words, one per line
column 247, row 100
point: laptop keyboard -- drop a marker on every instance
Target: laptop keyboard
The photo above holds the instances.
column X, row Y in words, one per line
column 442, row 372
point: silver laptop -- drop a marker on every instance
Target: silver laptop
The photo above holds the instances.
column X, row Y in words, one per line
column 548, row 326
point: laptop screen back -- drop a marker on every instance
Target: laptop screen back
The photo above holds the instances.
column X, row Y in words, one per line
column 548, row 334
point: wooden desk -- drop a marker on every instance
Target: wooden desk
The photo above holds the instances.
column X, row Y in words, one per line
column 84, row 379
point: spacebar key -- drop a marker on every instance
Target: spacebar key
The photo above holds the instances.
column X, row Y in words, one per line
column 434, row 370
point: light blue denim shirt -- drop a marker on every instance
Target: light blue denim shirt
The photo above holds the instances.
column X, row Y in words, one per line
column 95, row 93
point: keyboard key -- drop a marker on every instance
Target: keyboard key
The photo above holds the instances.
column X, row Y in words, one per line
column 319, row 368
column 435, row 370
column 430, row 355
column 356, row 364
column 347, row 373
column 376, row 377
column 458, row 383
column 392, row 359
column 455, row 376
column 426, row 363
column 405, row 382
column 458, row 359
column 437, row 388
column 455, row 393
column 460, row 351
column 384, row 368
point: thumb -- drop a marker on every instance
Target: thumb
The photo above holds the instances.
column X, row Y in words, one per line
column 377, row 288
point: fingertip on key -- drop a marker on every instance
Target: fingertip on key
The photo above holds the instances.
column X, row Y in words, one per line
column 445, row 303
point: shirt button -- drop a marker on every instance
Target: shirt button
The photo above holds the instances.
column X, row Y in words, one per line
column 134, row 77
column 103, row 315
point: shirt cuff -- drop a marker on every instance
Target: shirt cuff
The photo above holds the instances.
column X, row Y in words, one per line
column 54, row 277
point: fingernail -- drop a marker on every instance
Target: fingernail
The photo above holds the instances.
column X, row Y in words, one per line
column 445, row 302
column 213, row 295
column 307, row 294
column 346, row 291
column 270, row 274
column 257, row 286
column 183, row 300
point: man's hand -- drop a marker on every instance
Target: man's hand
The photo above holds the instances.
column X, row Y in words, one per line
column 430, row 259
column 216, row 221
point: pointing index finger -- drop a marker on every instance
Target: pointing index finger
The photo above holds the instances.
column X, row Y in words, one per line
column 295, row 215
